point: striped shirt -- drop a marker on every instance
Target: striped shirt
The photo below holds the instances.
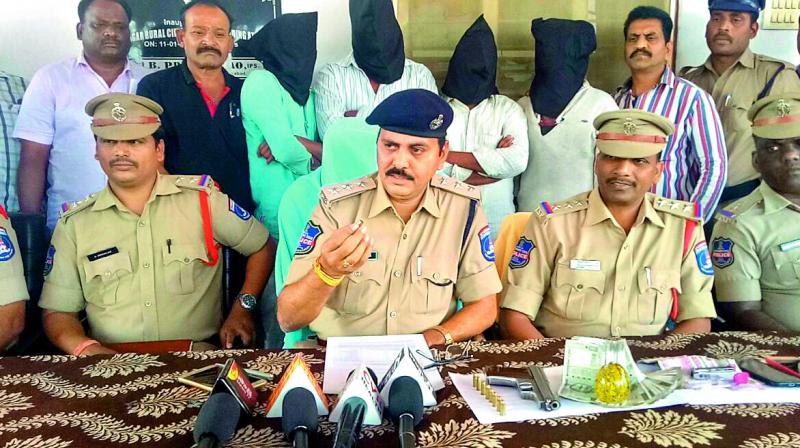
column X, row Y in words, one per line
column 12, row 88
column 695, row 158
column 342, row 86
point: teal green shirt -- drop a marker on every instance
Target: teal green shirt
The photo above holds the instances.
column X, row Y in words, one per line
column 270, row 114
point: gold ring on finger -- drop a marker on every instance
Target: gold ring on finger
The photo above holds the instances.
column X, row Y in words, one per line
column 346, row 264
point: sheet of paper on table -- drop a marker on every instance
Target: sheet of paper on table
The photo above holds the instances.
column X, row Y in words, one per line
column 343, row 354
column 518, row 410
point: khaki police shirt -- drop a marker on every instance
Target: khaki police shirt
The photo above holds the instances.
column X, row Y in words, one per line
column 143, row 278
column 416, row 270
column 756, row 254
column 575, row 271
column 12, row 277
column 734, row 92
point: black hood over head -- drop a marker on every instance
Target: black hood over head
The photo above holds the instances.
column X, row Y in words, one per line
column 472, row 72
column 377, row 40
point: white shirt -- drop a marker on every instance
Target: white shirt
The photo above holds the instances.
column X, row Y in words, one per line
column 561, row 163
column 52, row 113
column 343, row 86
column 478, row 131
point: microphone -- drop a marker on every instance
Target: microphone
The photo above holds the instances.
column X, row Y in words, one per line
column 216, row 422
column 351, row 419
column 405, row 407
column 300, row 416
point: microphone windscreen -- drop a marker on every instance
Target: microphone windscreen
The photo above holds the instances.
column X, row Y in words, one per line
column 405, row 397
column 299, row 409
column 218, row 417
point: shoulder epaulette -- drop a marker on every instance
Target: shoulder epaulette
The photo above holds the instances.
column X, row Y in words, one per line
column 687, row 210
column 734, row 210
column 337, row 192
column 577, row 203
column 688, row 69
column 200, row 183
column 70, row 208
column 457, row 187
column 765, row 58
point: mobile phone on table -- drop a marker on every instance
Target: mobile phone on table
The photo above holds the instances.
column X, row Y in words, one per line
column 768, row 375
column 204, row 378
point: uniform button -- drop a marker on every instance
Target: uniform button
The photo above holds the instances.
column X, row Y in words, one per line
column 141, row 223
column 147, row 265
column 357, row 274
column 107, row 273
column 579, row 286
column 148, row 303
column 393, row 314
column 186, row 259
column 625, row 247
column 405, row 236
column 618, row 330
column 436, row 276
column 397, row 274
column 621, row 288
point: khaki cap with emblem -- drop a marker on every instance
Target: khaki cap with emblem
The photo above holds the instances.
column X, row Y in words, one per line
column 122, row 116
column 776, row 116
column 632, row 133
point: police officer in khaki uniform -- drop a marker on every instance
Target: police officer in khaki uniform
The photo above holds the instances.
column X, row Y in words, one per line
column 608, row 262
column 141, row 257
column 756, row 244
column 13, row 290
column 736, row 78
column 390, row 253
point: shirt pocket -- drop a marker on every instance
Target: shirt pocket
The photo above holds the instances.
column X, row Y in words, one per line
column 180, row 264
column 655, row 294
column 433, row 282
column 103, row 277
column 787, row 266
column 579, row 294
column 363, row 290
column 734, row 114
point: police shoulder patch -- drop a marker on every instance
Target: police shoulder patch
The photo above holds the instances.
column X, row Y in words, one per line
column 48, row 262
column 308, row 240
column 70, row 208
column 344, row 190
column 241, row 213
column 522, row 253
column 688, row 210
column 722, row 252
column 460, row 188
column 487, row 248
column 703, row 259
column 201, row 183
column 7, row 249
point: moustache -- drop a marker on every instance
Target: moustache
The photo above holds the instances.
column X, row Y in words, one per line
column 726, row 36
column 641, row 50
column 621, row 180
column 399, row 173
column 209, row 50
column 123, row 161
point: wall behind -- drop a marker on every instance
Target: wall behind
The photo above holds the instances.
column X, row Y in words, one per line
column 37, row 32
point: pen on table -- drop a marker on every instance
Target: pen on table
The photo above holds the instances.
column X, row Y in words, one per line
column 778, row 366
column 419, row 266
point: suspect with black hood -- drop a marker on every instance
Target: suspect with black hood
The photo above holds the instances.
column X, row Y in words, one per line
column 488, row 137
column 377, row 40
column 472, row 72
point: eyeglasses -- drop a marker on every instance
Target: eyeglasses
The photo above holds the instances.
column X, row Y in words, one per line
column 452, row 354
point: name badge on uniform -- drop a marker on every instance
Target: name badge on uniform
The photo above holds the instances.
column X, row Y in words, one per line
column 584, row 265
column 103, row 254
column 791, row 245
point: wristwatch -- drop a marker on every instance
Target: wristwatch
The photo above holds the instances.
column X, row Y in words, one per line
column 248, row 301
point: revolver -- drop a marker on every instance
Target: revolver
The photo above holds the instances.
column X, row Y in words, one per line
column 531, row 383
